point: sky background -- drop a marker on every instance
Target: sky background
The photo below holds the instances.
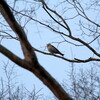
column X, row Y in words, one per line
column 39, row 36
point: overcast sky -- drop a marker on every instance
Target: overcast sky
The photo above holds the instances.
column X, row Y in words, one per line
column 39, row 36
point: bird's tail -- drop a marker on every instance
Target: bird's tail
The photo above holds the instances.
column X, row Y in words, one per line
column 61, row 54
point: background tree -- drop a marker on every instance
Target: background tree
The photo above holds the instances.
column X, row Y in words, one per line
column 11, row 90
column 58, row 20
column 85, row 84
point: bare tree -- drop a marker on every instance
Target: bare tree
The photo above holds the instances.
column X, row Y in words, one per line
column 10, row 90
column 85, row 84
column 58, row 23
column 30, row 61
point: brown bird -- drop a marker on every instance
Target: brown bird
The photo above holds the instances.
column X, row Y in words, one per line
column 53, row 50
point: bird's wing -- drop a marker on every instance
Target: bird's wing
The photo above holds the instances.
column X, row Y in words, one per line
column 56, row 49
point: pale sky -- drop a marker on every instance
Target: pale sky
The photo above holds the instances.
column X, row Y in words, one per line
column 39, row 36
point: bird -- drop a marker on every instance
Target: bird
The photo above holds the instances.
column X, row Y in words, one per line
column 53, row 50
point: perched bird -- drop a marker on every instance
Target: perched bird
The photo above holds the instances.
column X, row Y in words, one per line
column 53, row 50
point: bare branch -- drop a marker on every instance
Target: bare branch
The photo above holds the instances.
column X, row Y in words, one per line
column 63, row 20
column 11, row 56
column 70, row 36
column 75, row 60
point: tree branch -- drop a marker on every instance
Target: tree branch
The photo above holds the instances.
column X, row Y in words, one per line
column 64, row 34
column 10, row 55
column 7, row 14
column 58, row 15
column 75, row 60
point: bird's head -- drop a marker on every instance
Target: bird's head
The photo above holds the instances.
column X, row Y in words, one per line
column 48, row 45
